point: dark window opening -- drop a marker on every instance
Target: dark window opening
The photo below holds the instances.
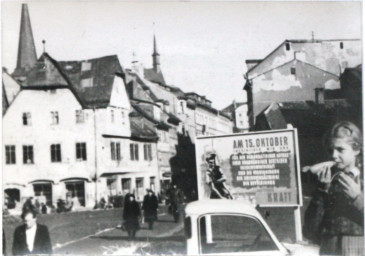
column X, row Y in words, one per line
column 10, row 154
column 56, row 153
column 81, row 151
column 28, row 155
column 287, row 46
column 293, row 71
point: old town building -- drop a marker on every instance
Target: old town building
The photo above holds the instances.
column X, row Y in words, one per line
column 296, row 69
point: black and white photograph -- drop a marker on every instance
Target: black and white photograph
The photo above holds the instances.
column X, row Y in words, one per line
column 182, row 127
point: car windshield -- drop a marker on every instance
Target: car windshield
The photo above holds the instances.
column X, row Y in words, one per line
column 233, row 233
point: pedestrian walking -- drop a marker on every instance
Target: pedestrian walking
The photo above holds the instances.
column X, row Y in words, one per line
column 150, row 205
column 335, row 216
column 131, row 214
column 176, row 198
column 31, row 237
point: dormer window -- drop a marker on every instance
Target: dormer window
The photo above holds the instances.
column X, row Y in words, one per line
column 85, row 66
column 87, row 82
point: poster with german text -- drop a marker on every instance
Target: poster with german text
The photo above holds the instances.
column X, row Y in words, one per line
column 260, row 167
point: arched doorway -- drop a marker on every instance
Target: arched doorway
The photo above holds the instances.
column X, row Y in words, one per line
column 43, row 188
column 76, row 187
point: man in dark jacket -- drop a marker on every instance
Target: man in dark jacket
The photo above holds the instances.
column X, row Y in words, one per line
column 31, row 237
column 150, row 205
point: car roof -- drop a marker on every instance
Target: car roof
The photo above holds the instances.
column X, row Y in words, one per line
column 220, row 206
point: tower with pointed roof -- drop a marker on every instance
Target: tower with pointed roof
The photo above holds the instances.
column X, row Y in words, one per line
column 155, row 56
column 27, row 55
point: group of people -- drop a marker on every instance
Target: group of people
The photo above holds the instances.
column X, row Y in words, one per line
column 132, row 212
column 334, row 218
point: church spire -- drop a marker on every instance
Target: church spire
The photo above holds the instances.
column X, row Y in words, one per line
column 155, row 56
column 27, row 56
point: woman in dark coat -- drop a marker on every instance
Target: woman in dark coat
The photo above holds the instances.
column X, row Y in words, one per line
column 131, row 214
column 150, row 205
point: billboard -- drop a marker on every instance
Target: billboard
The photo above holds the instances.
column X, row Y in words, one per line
column 262, row 167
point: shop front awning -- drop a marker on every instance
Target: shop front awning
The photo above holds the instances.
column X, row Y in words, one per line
column 74, row 179
column 41, row 181
column 112, row 174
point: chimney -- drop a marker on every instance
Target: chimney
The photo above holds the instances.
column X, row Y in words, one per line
column 319, row 95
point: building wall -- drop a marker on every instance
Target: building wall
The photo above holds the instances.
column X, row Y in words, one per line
column 41, row 134
column 241, row 117
column 126, row 168
column 326, row 55
column 11, row 87
column 208, row 123
column 280, row 85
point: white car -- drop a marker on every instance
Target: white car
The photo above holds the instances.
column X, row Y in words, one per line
column 231, row 227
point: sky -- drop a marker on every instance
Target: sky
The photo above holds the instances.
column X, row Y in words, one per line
column 202, row 45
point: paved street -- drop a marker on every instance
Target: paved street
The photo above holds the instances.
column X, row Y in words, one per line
column 165, row 232
column 96, row 232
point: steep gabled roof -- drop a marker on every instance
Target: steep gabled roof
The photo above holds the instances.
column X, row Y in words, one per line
column 46, row 73
column 154, row 76
column 299, row 41
column 101, row 70
column 159, row 124
column 141, row 128
column 5, row 102
column 303, row 114
column 99, row 74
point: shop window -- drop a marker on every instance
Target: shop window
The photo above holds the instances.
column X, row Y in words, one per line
column 152, row 183
column 77, row 189
column 44, row 189
column 139, row 188
column 126, row 186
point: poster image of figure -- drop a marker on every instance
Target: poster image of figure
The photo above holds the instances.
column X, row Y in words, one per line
column 260, row 167
column 216, row 179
